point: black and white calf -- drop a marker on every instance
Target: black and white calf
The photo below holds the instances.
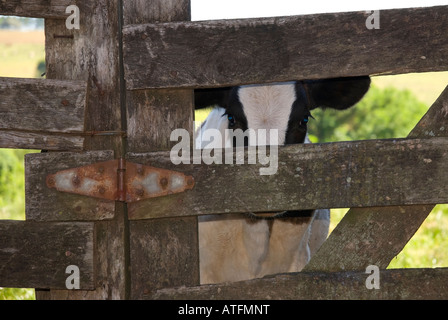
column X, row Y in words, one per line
column 241, row 247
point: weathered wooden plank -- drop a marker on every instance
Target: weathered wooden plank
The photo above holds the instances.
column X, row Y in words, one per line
column 40, row 141
column 136, row 11
column 154, row 114
column 163, row 252
column 45, row 204
column 34, row 254
column 376, row 235
column 412, row 284
column 234, row 52
column 333, row 175
column 42, row 104
column 42, row 114
column 36, row 9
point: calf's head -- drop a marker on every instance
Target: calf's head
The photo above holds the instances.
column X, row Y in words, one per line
column 283, row 106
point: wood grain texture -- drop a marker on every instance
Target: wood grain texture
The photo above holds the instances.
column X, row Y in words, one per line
column 46, row 204
column 36, row 254
column 413, row 284
column 36, row 9
column 163, row 252
column 376, row 235
column 152, row 116
column 235, row 52
column 42, row 114
column 334, row 175
column 93, row 55
column 136, row 11
column 40, row 141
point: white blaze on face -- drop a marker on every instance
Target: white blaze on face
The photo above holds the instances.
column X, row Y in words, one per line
column 268, row 107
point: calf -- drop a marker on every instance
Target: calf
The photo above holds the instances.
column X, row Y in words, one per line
column 237, row 247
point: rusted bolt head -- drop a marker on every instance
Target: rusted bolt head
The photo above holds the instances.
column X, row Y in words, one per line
column 139, row 192
column 164, row 182
column 101, row 169
column 68, row 253
column 76, row 181
column 101, row 190
column 140, row 171
column 65, row 102
column 50, row 181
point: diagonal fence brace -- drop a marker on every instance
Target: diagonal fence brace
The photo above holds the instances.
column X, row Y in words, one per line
column 120, row 180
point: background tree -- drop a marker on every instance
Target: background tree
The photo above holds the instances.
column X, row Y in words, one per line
column 381, row 114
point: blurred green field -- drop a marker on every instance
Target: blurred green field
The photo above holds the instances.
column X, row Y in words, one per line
column 21, row 52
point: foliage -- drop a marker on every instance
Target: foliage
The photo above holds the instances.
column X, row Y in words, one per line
column 12, row 204
column 41, row 68
column 16, row 294
column 381, row 114
column 12, row 184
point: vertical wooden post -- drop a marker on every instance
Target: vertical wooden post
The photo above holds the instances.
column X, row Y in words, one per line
column 92, row 53
column 164, row 252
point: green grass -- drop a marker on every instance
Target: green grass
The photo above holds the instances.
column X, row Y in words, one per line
column 22, row 60
column 426, row 249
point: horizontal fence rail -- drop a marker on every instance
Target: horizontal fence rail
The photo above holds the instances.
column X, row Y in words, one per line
column 42, row 113
column 36, row 255
column 391, row 284
column 36, row 8
column 234, row 52
column 45, row 204
column 336, row 175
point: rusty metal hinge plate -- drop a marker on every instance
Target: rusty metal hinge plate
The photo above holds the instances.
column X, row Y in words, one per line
column 120, row 180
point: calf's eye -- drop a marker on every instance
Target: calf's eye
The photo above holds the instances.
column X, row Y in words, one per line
column 304, row 121
column 231, row 120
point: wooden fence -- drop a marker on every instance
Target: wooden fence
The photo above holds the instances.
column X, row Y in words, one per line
column 117, row 87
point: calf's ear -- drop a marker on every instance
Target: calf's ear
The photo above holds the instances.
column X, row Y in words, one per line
column 337, row 93
column 204, row 98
